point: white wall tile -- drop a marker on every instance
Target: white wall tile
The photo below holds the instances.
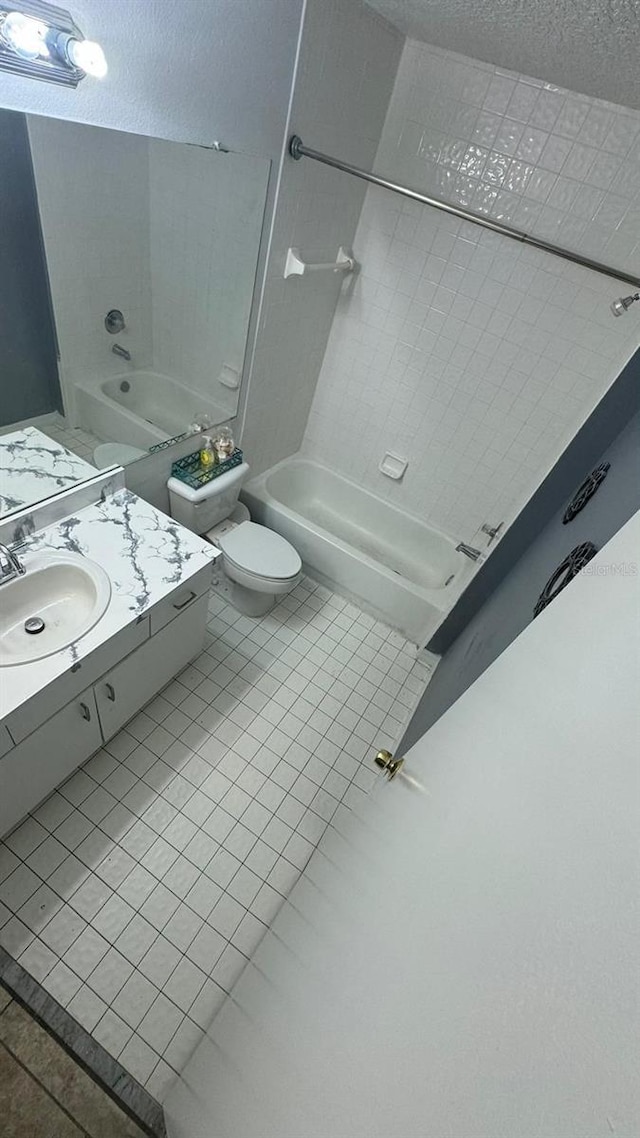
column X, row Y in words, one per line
column 345, row 76
column 474, row 357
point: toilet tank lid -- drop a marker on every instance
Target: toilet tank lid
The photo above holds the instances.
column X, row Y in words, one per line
column 221, row 484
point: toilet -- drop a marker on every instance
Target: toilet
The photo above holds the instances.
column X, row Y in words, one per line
column 259, row 565
column 116, row 454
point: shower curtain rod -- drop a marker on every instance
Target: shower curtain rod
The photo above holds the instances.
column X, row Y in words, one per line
column 298, row 150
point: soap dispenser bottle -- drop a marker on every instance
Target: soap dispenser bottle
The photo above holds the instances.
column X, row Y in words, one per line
column 208, row 456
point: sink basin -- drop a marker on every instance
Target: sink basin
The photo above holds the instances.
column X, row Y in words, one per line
column 59, row 598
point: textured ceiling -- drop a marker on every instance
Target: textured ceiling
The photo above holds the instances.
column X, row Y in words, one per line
column 591, row 46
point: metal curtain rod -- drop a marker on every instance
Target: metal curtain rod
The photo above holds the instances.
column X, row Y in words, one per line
column 298, row 150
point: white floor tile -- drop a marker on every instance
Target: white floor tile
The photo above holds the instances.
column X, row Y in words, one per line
column 184, row 983
column 110, row 975
column 160, row 1023
column 160, row 961
column 139, row 1058
column 86, row 1007
column 62, row 984
column 38, row 960
column 134, row 999
column 112, row 1032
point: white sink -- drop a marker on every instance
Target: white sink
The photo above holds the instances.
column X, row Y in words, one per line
column 60, row 597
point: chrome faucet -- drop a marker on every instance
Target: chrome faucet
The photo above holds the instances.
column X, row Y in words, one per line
column 122, row 352
column 10, row 565
column 469, row 551
column 491, row 531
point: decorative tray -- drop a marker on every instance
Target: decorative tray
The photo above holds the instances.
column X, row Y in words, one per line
column 189, row 469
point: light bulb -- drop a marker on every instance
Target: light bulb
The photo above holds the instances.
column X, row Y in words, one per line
column 25, row 35
column 88, row 56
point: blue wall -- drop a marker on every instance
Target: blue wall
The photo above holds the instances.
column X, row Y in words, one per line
column 29, row 384
column 509, row 608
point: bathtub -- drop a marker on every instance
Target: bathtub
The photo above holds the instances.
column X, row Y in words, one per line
column 140, row 408
column 393, row 565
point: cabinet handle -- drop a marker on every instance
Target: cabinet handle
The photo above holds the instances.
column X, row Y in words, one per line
column 111, row 692
column 86, row 714
column 192, row 596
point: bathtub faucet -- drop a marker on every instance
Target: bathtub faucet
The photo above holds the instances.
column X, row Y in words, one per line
column 469, row 551
column 122, row 352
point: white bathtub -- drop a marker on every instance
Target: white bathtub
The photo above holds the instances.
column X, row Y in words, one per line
column 141, row 408
column 401, row 570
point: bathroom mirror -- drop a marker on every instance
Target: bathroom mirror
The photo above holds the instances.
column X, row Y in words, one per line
column 126, row 279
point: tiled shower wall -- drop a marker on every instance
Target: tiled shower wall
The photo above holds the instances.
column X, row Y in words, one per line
column 348, row 62
column 472, row 356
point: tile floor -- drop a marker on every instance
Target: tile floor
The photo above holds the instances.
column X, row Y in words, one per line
column 136, row 892
column 82, row 443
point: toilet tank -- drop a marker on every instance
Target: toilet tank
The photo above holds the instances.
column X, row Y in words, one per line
column 199, row 510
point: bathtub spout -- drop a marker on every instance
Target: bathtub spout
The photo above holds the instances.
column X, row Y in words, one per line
column 469, row 551
column 122, row 352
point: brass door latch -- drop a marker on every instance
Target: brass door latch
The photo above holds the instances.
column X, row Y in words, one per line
column 388, row 763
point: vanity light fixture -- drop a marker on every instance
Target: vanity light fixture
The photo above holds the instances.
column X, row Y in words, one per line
column 43, row 42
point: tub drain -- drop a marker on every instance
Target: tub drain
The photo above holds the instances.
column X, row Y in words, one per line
column 34, row 625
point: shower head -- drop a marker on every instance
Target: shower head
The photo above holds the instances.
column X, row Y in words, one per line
column 619, row 306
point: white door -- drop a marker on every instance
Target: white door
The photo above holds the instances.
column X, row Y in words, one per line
column 462, row 961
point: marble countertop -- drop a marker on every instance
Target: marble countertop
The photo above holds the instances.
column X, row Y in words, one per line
column 33, row 466
column 145, row 554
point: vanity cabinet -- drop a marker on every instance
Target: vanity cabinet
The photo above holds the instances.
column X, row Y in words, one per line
column 126, row 688
column 46, row 753
column 50, row 754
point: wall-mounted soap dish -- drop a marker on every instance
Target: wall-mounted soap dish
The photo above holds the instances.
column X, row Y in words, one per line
column 294, row 266
column 393, row 466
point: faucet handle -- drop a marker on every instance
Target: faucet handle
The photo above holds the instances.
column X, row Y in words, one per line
column 491, row 531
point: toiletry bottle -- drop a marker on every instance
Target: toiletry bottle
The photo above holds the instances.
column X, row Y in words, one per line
column 208, row 456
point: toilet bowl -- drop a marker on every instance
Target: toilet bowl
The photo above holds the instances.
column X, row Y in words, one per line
column 258, row 564
column 116, row 454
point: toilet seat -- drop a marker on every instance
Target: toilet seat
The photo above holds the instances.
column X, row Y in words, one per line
column 255, row 556
column 116, row 454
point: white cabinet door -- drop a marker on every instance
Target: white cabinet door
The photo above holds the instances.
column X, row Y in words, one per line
column 123, row 691
column 30, row 771
column 59, row 692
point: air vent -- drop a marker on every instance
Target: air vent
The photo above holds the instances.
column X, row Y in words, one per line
column 585, row 492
